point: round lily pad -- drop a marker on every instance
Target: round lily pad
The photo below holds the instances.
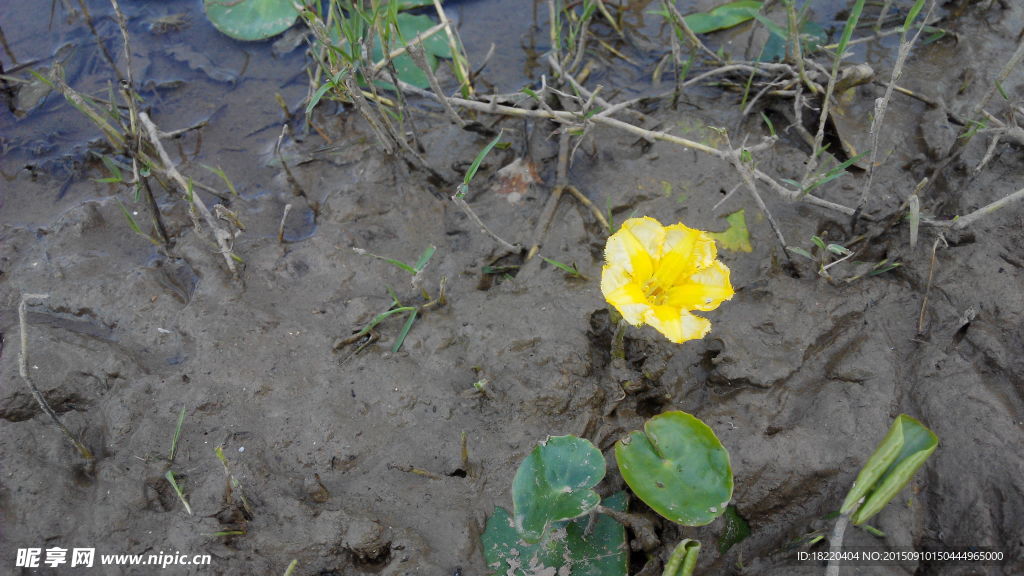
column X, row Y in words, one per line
column 554, row 483
column 251, row 19
column 678, row 467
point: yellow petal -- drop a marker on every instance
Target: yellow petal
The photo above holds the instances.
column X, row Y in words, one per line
column 635, row 247
column 676, row 324
column 629, row 300
column 648, row 231
column 703, row 290
column 677, row 254
column 613, row 277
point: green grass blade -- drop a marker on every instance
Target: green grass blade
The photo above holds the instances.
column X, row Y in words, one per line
column 177, row 435
column 220, row 172
column 801, row 252
column 177, row 490
column 834, row 173
column 476, row 166
column 912, row 15
column 571, row 270
column 768, row 122
column 382, row 317
column 851, row 24
column 392, row 261
column 424, row 258
column 405, row 330
column 114, row 169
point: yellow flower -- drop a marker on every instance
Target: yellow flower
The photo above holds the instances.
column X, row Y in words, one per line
column 656, row 274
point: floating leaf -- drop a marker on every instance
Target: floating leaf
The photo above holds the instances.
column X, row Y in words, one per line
column 903, row 450
column 554, row 483
column 434, row 46
column 678, row 467
column 251, row 19
column 736, row 237
column 812, row 37
column 600, row 551
column 722, row 17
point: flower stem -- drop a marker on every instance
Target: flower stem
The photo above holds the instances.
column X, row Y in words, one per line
column 619, row 340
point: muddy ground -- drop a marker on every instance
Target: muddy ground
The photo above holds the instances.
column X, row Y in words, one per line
column 351, row 460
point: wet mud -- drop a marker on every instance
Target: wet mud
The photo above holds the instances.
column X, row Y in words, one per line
column 355, row 459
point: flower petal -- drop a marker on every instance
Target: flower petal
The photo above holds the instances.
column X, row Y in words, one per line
column 635, row 247
column 613, row 277
column 703, row 290
column 676, row 324
column 626, row 296
column 648, row 231
column 685, row 251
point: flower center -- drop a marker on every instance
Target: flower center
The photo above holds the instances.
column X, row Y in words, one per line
column 655, row 292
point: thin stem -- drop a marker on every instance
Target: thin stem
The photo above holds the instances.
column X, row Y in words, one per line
column 23, row 370
column 835, row 544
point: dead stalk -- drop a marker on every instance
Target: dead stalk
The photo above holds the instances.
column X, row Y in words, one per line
column 561, row 181
column 882, row 104
column 461, row 203
column 221, row 236
column 453, row 45
column 964, row 221
column 280, row 227
column 928, row 286
column 36, row 394
column 966, row 134
column 678, row 19
column 297, row 189
column 417, row 55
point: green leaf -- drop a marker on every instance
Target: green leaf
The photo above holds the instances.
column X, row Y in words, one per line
column 600, row 551
column 572, row 270
column 424, row 258
column 851, row 25
column 768, row 122
column 683, row 559
column 903, row 450
column 736, row 237
column 435, row 46
column 251, row 19
column 412, row 25
column 678, row 467
column 114, row 169
column 912, row 15
column 405, row 331
column 838, row 249
column 834, row 173
column 800, row 252
column 812, row 36
column 554, row 483
column 722, row 17
column 737, row 529
column 177, row 435
column 464, row 188
column 177, row 490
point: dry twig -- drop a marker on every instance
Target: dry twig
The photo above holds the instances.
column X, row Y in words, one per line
column 222, row 237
